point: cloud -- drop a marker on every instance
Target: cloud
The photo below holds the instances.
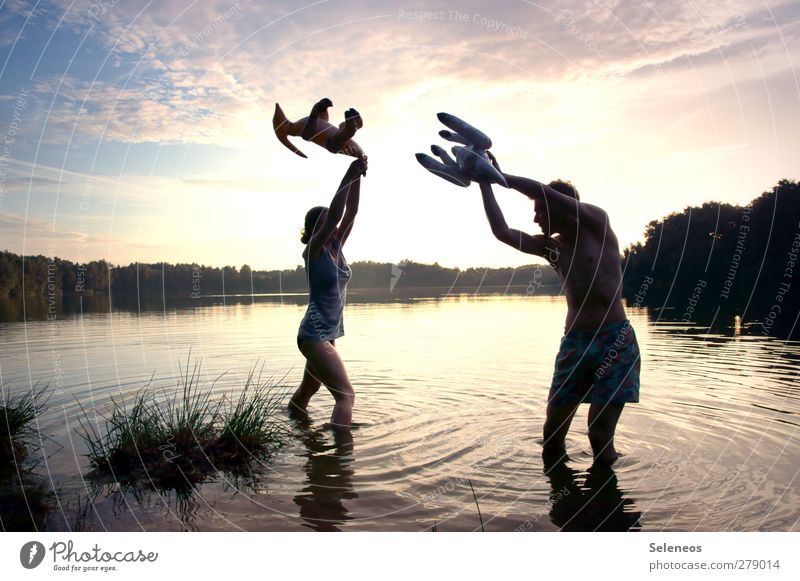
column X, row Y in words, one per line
column 208, row 72
column 23, row 177
column 591, row 90
column 15, row 185
column 34, row 236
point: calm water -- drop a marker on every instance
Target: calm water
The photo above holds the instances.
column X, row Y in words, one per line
column 449, row 392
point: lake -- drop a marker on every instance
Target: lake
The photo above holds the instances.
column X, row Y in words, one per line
column 451, row 393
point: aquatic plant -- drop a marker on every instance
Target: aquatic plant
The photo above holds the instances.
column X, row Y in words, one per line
column 132, row 432
column 189, row 417
column 25, row 500
column 480, row 516
column 16, row 414
column 177, row 441
column 435, row 527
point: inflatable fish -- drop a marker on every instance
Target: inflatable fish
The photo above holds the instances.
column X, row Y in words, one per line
column 473, row 161
column 446, row 169
column 317, row 129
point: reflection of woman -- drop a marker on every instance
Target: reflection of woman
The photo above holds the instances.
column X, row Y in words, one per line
column 329, row 480
column 326, row 230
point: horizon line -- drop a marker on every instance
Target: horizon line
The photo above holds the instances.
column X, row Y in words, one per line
column 401, row 262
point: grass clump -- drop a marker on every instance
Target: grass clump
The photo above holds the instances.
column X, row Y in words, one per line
column 189, row 417
column 132, row 431
column 185, row 437
column 25, row 500
column 16, row 414
column 247, row 426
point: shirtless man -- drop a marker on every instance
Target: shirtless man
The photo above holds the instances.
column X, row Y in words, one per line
column 598, row 361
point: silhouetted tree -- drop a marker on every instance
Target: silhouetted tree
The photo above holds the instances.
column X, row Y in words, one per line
column 739, row 257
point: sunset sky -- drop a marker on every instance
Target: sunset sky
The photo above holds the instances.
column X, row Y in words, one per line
column 141, row 131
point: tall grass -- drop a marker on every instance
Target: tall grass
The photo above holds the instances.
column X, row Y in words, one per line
column 435, row 528
column 130, row 430
column 189, row 417
column 187, row 436
column 475, row 496
column 16, row 414
column 25, row 500
column 247, row 425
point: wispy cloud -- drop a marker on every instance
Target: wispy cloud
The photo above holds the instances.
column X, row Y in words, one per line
column 208, row 72
column 33, row 236
column 619, row 95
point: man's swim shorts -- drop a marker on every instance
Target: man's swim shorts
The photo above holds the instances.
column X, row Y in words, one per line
column 597, row 366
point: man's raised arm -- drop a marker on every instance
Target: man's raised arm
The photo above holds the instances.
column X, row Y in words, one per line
column 556, row 201
column 514, row 238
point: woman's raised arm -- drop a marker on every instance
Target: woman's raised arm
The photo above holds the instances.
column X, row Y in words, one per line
column 324, row 232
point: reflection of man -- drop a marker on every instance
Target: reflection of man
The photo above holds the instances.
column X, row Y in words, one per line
column 598, row 505
column 599, row 357
column 329, row 479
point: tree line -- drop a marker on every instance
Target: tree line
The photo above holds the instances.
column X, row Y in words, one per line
column 714, row 262
column 708, row 263
column 46, row 277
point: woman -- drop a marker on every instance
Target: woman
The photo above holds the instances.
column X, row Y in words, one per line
column 326, row 230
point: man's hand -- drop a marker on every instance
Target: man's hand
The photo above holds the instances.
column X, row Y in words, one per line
column 493, row 159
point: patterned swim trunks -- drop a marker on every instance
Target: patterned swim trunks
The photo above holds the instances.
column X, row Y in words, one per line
column 597, row 366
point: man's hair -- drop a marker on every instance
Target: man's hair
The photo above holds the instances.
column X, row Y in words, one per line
column 565, row 187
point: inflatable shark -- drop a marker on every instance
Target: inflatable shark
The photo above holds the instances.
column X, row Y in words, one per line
column 473, row 161
column 317, row 129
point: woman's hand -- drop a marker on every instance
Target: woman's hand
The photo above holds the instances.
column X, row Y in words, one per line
column 358, row 168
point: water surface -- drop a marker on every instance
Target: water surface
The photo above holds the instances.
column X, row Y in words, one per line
column 451, row 395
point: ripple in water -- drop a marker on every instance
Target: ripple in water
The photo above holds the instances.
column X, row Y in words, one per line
column 450, row 399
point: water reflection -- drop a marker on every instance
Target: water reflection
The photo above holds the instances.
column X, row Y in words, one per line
column 328, row 479
column 595, row 504
column 36, row 308
column 712, row 404
column 722, row 323
column 133, row 501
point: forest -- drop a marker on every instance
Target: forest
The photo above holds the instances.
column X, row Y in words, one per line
column 718, row 261
column 706, row 264
column 45, row 276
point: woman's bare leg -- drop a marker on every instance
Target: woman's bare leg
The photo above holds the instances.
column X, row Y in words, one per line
column 309, row 385
column 329, row 369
